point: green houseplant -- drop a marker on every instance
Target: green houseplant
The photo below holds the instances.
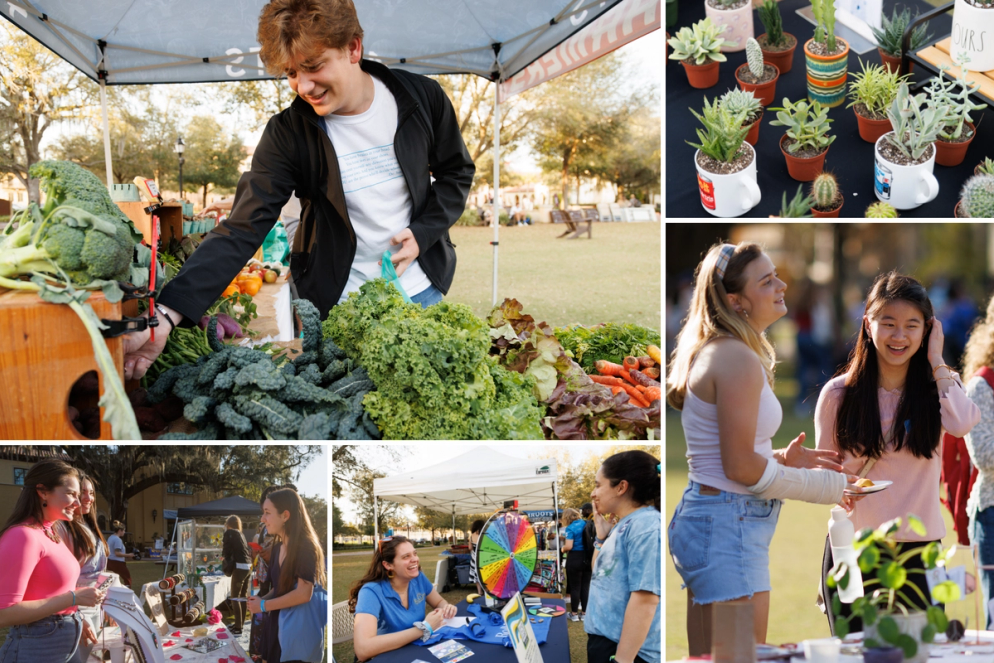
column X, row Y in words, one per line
column 890, row 35
column 725, row 163
column 806, row 141
column 886, row 615
column 778, row 46
column 986, row 166
column 698, row 48
column 958, row 130
column 872, row 91
column 756, row 75
column 976, row 200
column 799, row 206
column 827, row 196
column 741, row 103
column 826, row 57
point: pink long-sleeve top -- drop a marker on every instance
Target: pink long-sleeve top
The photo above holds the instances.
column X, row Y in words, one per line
column 916, row 480
column 35, row 567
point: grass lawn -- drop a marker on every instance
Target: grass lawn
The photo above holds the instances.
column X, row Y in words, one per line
column 795, row 554
column 346, row 569
column 564, row 281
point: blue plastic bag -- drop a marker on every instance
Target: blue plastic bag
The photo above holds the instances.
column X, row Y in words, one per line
column 276, row 246
column 302, row 628
column 390, row 274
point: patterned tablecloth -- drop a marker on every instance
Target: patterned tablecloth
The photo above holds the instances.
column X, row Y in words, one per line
column 175, row 643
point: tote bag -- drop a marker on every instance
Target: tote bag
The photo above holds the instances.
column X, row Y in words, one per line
column 302, row 628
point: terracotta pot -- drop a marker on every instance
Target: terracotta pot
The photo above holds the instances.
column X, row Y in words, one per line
column 958, row 211
column 827, row 75
column 834, row 214
column 893, row 64
column 753, row 136
column 803, row 170
column 703, row 75
column 869, row 129
column 739, row 22
column 953, row 154
column 782, row 60
column 766, row 93
column 968, row 35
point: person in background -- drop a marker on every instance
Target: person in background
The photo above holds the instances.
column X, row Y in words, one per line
column 117, row 557
column 263, row 582
column 589, row 536
column 39, row 599
column 474, row 538
column 235, row 551
column 90, row 548
column 577, row 571
column 623, row 618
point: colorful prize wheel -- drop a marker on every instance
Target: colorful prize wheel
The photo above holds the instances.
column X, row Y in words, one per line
column 506, row 554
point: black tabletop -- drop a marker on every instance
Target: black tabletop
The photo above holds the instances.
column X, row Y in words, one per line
column 849, row 158
column 555, row 649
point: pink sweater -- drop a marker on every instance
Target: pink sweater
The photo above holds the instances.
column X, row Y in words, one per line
column 34, row 567
column 916, row 480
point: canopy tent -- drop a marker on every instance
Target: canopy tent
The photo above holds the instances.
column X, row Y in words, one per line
column 131, row 42
column 480, row 480
column 226, row 506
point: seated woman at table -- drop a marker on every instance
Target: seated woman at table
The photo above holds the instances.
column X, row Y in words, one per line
column 236, row 554
column 38, row 593
column 623, row 618
column 389, row 601
column 296, row 565
column 90, row 547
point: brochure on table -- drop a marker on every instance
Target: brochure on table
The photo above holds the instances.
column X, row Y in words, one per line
column 520, row 631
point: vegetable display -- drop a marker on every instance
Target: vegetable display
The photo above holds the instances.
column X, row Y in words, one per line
column 610, row 341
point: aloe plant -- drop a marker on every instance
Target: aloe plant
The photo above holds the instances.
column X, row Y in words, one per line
column 916, row 125
column 807, row 124
column 799, row 207
column 723, row 133
column 700, row 43
column 987, row 167
column 891, row 33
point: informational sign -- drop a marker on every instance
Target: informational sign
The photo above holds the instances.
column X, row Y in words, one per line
column 520, row 631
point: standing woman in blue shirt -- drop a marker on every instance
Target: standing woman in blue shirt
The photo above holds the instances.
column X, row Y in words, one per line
column 389, row 601
column 577, row 571
column 623, row 619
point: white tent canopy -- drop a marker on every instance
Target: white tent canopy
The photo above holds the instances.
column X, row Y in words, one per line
column 480, row 480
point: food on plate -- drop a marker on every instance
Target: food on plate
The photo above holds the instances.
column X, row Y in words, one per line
column 864, row 483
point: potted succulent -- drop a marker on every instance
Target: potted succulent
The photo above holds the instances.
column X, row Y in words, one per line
column 976, row 201
column 973, row 25
column 736, row 17
column 984, row 167
column 890, row 35
column 778, row 46
column 806, row 141
column 739, row 102
column 699, row 50
column 826, row 57
column 880, row 210
column 758, row 76
column 827, row 197
column 726, row 164
column 905, row 157
column 872, row 91
column 958, row 131
column 798, row 208
column 888, row 621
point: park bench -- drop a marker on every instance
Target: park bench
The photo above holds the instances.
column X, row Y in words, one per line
column 579, row 219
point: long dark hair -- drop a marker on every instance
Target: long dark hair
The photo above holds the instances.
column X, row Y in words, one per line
column 85, row 547
column 917, row 423
column 641, row 470
column 385, row 551
column 49, row 474
column 298, row 534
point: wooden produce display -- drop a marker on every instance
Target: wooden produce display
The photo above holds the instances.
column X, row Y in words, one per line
column 170, row 218
column 45, row 350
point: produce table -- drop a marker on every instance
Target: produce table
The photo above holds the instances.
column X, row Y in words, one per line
column 849, row 158
column 174, row 645
column 275, row 321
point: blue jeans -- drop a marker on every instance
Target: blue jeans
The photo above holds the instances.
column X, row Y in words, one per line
column 49, row 640
column 427, row 297
column 982, row 534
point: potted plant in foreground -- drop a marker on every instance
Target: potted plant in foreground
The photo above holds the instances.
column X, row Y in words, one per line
column 976, row 201
column 778, row 46
column 726, row 164
column 806, row 141
column 958, row 131
column 880, row 210
column 736, row 17
column 973, row 25
column 741, row 103
column 985, row 166
column 756, row 75
column 872, row 91
column 905, row 157
column 887, row 620
column 699, row 51
column 826, row 57
column 799, row 206
column 827, row 197
column 891, row 34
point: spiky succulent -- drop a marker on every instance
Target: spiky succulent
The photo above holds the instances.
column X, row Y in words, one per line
column 891, row 33
column 699, row 44
column 986, row 167
column 977, row 197
column 824, row 189
column 880, row 210
column 739, row 102
column 723, row 133
column 799, row 207
column 754, row 56
column 769, row 14
column 875, row 87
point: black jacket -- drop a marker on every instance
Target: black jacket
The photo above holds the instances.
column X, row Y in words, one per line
column 296, row 155
column 235, row 548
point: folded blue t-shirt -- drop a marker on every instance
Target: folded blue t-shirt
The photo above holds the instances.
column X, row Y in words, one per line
column 487, row 627
column 380, row 600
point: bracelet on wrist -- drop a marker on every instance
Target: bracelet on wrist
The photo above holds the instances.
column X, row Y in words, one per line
column 162, row 312
column 262, row 605
column 73, row 597
column 946, row 366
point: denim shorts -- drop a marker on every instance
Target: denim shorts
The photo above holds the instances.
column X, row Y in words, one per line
column 427, row 297
column 51, row 639
column 720, row 543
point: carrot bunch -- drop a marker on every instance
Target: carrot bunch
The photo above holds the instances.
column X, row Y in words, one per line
column 636, row 376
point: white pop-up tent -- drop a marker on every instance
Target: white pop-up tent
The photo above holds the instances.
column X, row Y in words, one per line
column 480, row 480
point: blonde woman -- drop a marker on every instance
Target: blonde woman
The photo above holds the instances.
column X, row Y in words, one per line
column 721, row 379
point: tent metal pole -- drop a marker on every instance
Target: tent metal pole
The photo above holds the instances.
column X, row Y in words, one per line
column 172, row 540
column 453, row 524
column 376, row 525
column 496, row 217
column 107, row 155
column 555, row 516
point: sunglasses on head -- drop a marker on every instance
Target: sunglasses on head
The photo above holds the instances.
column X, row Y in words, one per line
column 379, row 545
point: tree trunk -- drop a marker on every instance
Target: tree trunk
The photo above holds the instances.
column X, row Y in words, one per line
column 564, row 176
column 205, row 196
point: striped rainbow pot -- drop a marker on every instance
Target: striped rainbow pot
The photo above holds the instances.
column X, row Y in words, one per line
column 827, row 75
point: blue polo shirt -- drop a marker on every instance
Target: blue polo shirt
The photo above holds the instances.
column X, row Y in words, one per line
column 380, row 600
column 575, row 532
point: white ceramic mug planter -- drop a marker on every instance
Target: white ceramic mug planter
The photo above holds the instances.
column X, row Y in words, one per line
column 973, row 34
column 904, row 187
column 738, row 22
column 729, row 195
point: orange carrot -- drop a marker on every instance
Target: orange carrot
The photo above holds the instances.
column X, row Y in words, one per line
column 605, row 367
column 653, row 394
column 652, row 372
column 630, row 363
column 606, row 380
column 634, row 395
column 627, row 375
column 616, row 390
column 654, row 352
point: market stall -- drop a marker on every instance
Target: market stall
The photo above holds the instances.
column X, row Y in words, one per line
column 185, row 644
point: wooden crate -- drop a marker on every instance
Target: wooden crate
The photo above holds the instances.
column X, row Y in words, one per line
column 938, row 54
column 170, row 220
column 45, row 350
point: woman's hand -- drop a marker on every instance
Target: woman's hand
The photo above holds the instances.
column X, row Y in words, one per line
column 254, row 604
column 89, row 637
column 89, row 596
column 798, row 455
column 848, row 502
column 435, row 619
column 602, row 524
column 448, row 611
column 935, row 341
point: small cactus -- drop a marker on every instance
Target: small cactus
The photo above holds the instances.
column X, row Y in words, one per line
column 978, row 197
column 823, row 190
column 754, row 54
column 880, row 210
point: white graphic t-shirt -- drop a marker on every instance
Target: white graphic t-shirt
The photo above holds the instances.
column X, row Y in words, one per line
column 375, row 190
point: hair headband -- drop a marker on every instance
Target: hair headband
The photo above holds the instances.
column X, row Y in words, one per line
column 727, row 250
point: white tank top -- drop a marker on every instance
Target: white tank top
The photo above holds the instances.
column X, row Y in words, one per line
column 700, row 428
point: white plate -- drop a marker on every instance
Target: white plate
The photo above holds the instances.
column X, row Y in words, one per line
column 875, row 488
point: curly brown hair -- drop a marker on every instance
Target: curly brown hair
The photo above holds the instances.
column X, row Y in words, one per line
column 295, row 28
column 979, row 350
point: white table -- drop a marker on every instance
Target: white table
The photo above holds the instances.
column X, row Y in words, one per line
column 216, row 591
column 174, row 645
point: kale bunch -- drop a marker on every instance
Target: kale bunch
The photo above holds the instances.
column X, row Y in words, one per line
column 432, row 370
